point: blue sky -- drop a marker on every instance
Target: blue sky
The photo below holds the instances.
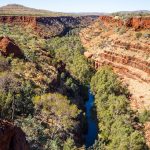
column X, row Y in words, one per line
column 83, row 5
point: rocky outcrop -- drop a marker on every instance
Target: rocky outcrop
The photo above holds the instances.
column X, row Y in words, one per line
column 139, row 22
column 132, row 46
column 12, row 137
column 8, row 47
column 121, row 69
column 49, row 26
column 18, row 20
column 126, row 60
column 109, row 21
column 134, row 22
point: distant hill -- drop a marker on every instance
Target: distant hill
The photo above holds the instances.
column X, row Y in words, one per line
column 15, row 9
column 91, row 14
column 132, row 13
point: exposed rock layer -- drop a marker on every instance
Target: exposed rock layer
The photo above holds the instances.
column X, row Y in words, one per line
column 12, row 137
column 49, row 26
column 125, row 46
column 7, row 47
column 126, row 60
column 136, row 22
column 128, row 54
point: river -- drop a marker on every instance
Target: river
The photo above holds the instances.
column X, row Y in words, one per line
column 92, row 124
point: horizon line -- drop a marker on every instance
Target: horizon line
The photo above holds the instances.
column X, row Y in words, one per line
column 78, row 11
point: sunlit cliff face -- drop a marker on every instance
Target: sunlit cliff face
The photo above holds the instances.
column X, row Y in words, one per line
column 124, row 45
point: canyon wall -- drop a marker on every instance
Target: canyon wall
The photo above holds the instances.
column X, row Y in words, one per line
column 18, row 20
column 49, row 26
column 134, row 22
column 12, row 137
column 124, row 45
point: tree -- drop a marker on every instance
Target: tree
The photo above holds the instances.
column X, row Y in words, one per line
column 23, row 103
column 80, row 69
column 57, row 108
column 69, row 145
column 113, row 113
column 38, row 135
column 15, row 97
column 70, row 51
column 105, row 81
column 137, row 141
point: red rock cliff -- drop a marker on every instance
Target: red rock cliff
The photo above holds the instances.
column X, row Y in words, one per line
column 124, row 45
column 135, row 22
column 49, row 26
column 18, row 20
column 12, row 137
column 139, row 23
column 7, row 47
column 109, row 20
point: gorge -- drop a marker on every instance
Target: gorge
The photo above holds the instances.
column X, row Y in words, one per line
column 126, row 53
column 46, row 63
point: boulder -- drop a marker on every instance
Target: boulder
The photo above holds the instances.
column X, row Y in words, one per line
column 12, row 137
column 8, row 47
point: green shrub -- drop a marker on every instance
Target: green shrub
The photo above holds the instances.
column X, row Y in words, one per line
column 122, row 30
column 138, row 35
column 144, row 116
column 56, row 105
column 116, row 30
column 69, row 145
column 38, row 135
column 15, row 97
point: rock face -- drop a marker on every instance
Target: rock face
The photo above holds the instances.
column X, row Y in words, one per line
column 139, row 23
column 12, row 137
column 122, row 44
column 115, row 42
column 126, row 60
column 7, row 47
column 108, row 21
column 49, row 26
column 16, row 20
column 136, row 22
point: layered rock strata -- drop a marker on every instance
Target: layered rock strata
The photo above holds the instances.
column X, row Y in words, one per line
column 49, row 26
column 124, row 45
